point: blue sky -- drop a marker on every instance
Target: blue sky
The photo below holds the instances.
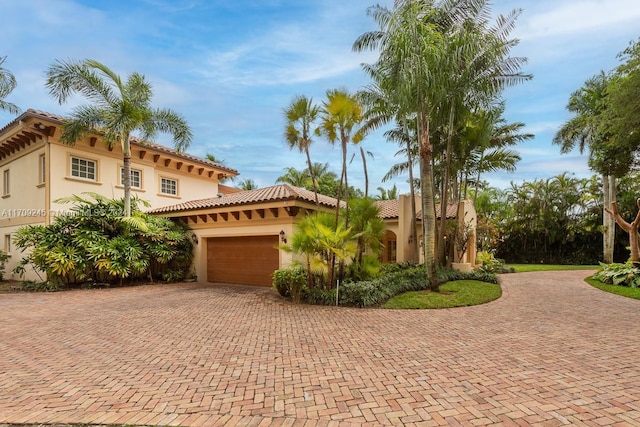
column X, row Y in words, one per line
column 231, row 67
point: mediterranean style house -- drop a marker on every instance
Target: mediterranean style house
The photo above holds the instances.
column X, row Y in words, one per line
column 236, row 233
column 37, row 169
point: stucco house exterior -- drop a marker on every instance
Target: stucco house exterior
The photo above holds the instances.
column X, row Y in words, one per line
column 398, row 239
column 37, row 169
column 236, row 233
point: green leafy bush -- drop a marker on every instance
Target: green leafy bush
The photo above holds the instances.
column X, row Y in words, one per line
column 366, row 293
column 370, row 292
column 393, row 267
column 448, row 275
column 96, row 244
column 490, row 264
column 290, row 282
column 3, row 259
column 320, row 296
column 33, row 286
column 619, row 274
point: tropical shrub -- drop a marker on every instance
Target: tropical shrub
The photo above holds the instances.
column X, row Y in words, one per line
column 490, row 264
column 368, row 230
column 333, row 251
column 393, row 267
column 290, row 282
column 376, row 291
column 33, row 286
column 3, row 259
column 449, row 275
column 95, row 243
column 619, row 274
column 323, row 246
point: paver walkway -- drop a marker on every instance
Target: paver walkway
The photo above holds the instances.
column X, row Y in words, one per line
column 551, row 351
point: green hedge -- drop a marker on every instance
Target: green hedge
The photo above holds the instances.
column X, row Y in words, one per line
column 373, row 292
column 3, row 258
column 447, row 275
column 379, row 290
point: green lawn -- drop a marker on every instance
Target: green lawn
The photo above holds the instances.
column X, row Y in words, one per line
column 625, row 291
column 523, row 268
column 459, row 293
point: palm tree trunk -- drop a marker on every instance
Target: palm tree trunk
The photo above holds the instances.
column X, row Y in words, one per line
column 412, row 193
column 475, row 195
column 366, row 174
column 428, row 204
column 346, row 182
column 444, row 194
column 313, row 178
column 126, row 150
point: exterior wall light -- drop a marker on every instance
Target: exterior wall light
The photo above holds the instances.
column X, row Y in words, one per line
column 283, row 236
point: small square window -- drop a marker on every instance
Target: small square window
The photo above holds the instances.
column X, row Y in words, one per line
column 169, row 186
column 42, row 169
column 6, row 186
column 136, row 178
column 7, row 243
column 83, row 168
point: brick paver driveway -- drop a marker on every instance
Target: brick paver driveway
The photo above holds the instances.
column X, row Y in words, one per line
column 551, row 351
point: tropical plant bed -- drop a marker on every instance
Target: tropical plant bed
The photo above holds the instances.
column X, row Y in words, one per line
column 624, row 291
column 17, row 286
column 459, row 293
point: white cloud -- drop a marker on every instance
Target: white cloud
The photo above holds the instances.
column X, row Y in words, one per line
column 575, row 17
column 540, row 127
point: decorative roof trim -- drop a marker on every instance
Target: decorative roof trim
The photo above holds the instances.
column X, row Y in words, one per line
column 37, row 114
column 276, row 193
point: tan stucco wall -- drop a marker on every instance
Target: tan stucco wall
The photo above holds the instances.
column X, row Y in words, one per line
column 467, row 215
column 25, row 204
column 267, row 227
column 32, row 202
column 190, row 187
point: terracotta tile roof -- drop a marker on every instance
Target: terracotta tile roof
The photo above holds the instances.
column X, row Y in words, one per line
column 225, row 189
column 269, row 194
column 452, row 210
column 135, row 141
column 390, row 209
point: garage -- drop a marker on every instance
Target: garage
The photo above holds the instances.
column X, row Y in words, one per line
column 246, row 260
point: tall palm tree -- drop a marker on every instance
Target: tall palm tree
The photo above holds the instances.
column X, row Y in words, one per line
column 340, row 115
column 298, row 178
column 327, row 180
column 486, row 136
column 118, row 108
column 247, row 184
column 409, row 48
column 582, row 130
column 435, row 55
column 406, row 135
column 388, row 194
column 7, row 84
column 300, row 116
column 381, row 105
column 479, row 56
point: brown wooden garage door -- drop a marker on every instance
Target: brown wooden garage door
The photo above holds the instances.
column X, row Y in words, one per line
column 243, row 260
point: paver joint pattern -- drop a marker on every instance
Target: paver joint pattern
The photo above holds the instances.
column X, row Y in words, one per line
column 552, row 351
